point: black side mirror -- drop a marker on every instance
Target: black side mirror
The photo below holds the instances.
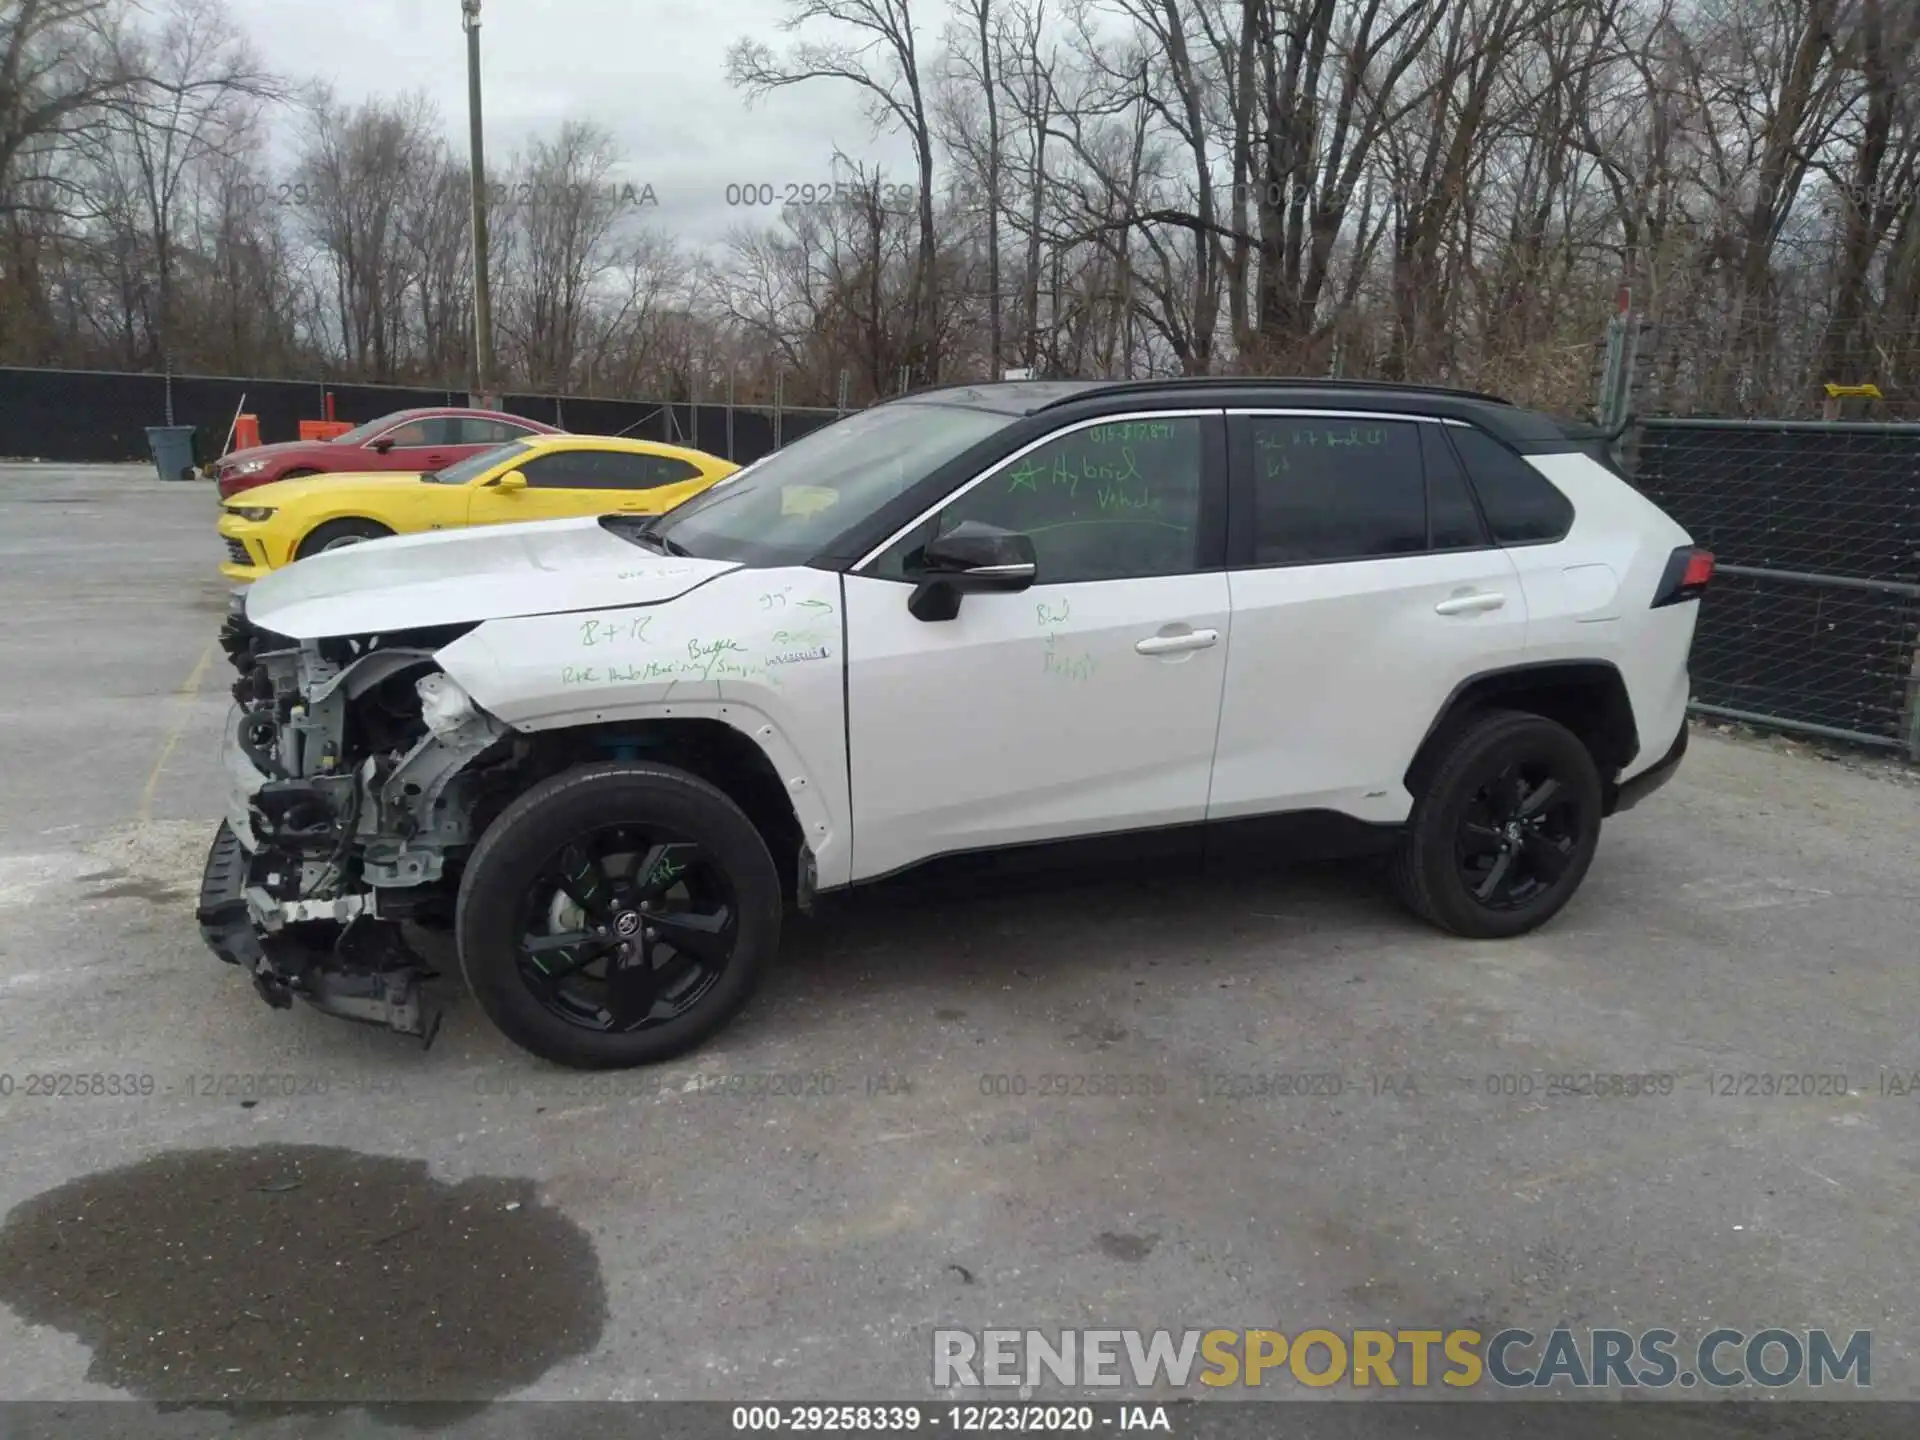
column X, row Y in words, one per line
column 382, row 445
column 971, row 557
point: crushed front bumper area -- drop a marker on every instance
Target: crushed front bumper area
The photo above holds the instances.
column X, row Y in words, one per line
column 362, row 970
column 355, row 769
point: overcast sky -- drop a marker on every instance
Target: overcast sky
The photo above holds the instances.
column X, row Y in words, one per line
column 654, row 74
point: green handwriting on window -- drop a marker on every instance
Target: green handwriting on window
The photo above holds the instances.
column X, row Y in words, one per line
column 1110, row 520
column 1323, row 437
column 1124, row 454
column 1274, row 445
column 1128, row 431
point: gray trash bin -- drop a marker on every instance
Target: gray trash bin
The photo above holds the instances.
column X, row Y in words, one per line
column 172, row 447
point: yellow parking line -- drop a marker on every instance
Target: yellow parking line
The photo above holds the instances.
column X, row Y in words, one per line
column 183, row 713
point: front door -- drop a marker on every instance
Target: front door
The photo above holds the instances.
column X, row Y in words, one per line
column 1083, row 706
column 418, row 445
column 560, row 483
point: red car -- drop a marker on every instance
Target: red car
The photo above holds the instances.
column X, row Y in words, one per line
column 405, row 440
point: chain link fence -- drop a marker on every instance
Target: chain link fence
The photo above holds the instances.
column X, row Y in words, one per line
column 1813, row 620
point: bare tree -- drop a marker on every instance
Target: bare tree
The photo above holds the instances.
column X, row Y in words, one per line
column 877, row 51
column 1878, row 178
column 1439, row 190
column 59, row 62
column 194, row 96
column 557, row 243
column 975, row 46
column 359, row 173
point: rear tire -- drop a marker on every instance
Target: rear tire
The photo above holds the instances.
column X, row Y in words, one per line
column 338, row 533
column 1504, row 830
column 643, row 838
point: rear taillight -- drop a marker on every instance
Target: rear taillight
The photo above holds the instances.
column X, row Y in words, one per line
column 1688, row 570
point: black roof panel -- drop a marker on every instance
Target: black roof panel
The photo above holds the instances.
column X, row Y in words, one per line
column 1007, row 397
column 1525, row 430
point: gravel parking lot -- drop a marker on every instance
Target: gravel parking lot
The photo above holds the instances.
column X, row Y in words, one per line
column 1030, row 1110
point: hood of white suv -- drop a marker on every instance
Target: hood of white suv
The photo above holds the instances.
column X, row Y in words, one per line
column 452, row 577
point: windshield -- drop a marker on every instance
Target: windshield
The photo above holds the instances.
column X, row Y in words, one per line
column 360, row 434
column 781, row 509
column 474, row 466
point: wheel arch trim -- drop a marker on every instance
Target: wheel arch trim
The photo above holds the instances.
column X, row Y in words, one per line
column 826, row 836
column 332, row 517
column 1521, row 676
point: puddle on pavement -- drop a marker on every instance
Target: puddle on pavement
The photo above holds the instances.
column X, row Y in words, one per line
column 229, row 1278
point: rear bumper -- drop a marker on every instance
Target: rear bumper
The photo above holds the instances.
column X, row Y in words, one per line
column 1632, row 792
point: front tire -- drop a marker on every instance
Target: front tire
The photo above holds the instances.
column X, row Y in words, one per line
column 1504, row 830
column 336, row 534
column 617, row 915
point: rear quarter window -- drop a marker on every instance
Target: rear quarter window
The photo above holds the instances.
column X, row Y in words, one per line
column 1521, row 505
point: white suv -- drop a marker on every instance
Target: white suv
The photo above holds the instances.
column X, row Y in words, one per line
column 986, row 622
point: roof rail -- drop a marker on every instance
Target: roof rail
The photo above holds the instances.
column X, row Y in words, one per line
column 1303, row 382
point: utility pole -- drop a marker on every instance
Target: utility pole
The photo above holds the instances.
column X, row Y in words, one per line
column 482, row 298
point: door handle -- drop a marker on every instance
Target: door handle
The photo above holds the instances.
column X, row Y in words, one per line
column 1170, row 644
column 1470, row 603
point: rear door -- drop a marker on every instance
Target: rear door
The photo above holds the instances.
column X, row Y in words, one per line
column 471, row 434
column 1086, row 705
column 1365, row 588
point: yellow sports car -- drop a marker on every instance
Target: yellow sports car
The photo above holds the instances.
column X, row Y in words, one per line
column 544, row 477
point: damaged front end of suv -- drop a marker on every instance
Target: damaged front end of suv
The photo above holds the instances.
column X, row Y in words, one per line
column 360, row 775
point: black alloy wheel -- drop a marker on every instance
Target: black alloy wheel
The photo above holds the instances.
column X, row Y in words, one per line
column 1503, row 827
column 622, row 930
column 617, row 914
column 1518, row 834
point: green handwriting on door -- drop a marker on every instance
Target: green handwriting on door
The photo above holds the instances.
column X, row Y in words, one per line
column 1077, row 668
column 605, row 632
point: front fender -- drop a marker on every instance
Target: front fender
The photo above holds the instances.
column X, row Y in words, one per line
column 761, row 651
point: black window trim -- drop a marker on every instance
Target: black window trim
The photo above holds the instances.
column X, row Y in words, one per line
column 1473, row 489
column 1242, row 505
column 1212, row 522
column 1487, row 542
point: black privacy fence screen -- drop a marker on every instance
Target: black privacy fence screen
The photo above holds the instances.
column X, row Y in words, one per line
column 1812, row 622
column 95, row 416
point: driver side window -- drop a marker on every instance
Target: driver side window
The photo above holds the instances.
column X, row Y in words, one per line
column 1116, row 500
column 421, row 432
